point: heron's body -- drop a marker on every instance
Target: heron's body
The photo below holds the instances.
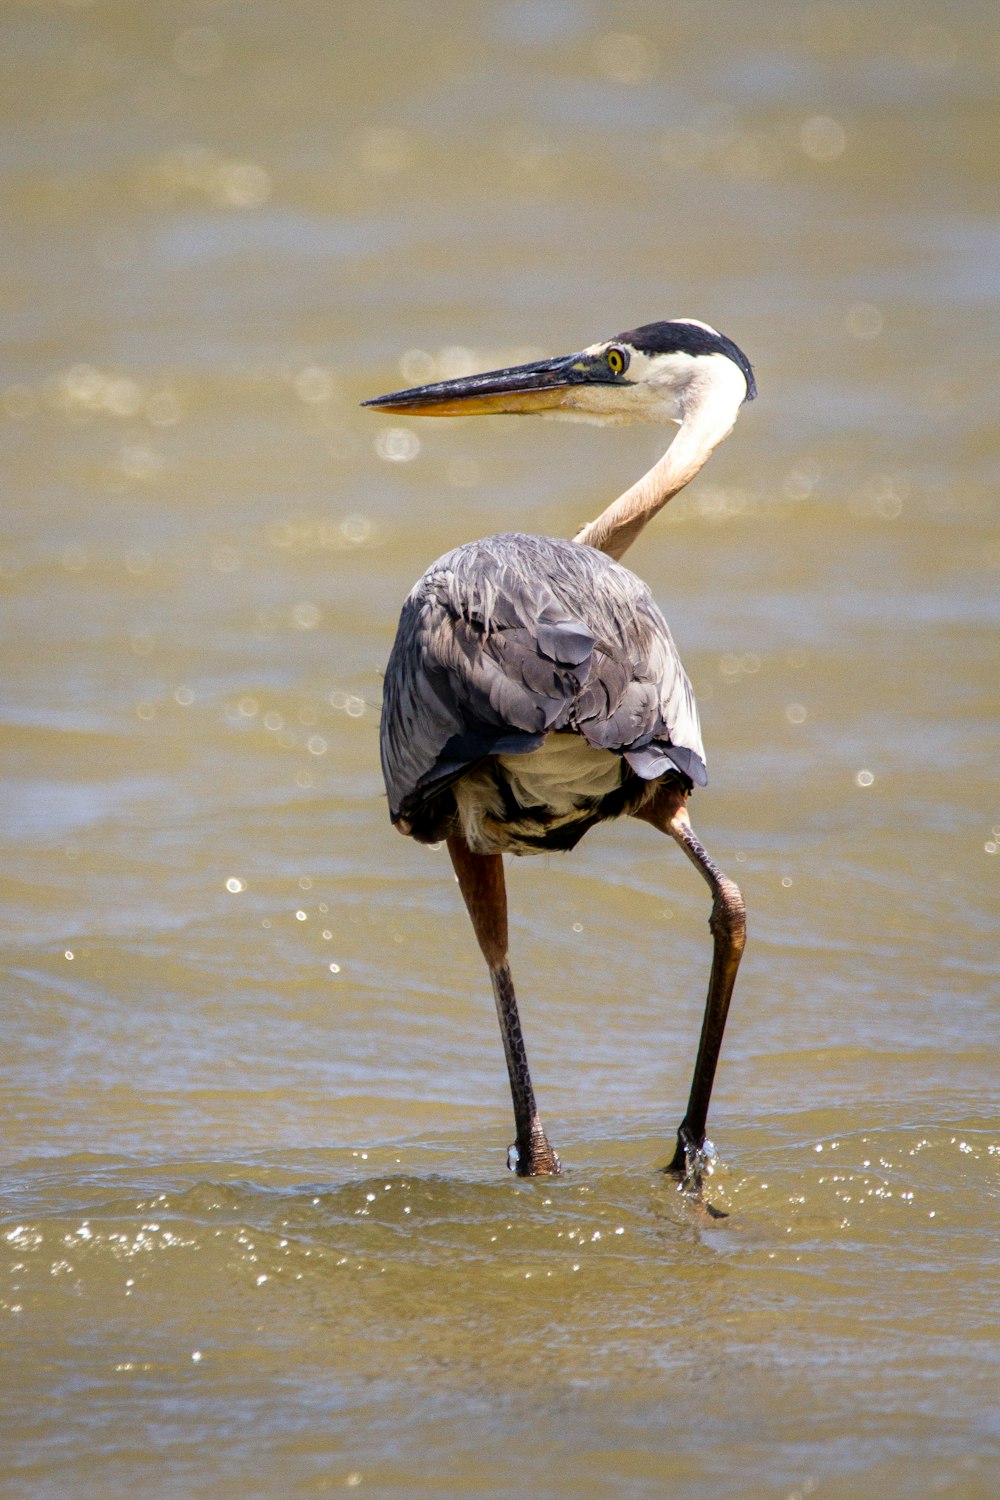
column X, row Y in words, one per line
column 534, row 689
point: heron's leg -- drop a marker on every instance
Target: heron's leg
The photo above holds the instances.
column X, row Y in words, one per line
column 480, row 879
column 668, row 812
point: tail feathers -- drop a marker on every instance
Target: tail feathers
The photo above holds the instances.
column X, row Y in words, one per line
column 656, row 759
column 464, row 750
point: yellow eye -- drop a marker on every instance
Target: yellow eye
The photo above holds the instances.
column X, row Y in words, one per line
column 617, row 360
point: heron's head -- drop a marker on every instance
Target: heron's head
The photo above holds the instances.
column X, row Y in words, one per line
column 662, row 372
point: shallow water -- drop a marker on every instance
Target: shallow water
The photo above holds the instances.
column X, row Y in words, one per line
column 257, row 1234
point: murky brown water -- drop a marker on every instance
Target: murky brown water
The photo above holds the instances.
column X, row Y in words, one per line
column 258, row 1235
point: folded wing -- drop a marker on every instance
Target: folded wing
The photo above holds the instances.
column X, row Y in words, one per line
column 507, row 639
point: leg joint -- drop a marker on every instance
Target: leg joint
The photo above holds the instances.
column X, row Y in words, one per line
column 728, row 921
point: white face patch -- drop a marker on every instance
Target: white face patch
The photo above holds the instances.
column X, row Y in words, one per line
column 657, row 388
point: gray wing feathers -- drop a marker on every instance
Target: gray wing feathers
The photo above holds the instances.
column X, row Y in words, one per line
column 505, row 639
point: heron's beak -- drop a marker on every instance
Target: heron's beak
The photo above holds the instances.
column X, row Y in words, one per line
column 524, row 388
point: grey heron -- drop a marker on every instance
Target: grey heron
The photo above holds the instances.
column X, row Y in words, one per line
column 534, row 688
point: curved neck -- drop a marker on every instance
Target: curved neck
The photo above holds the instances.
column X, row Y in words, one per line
column 617, row 527
column 705, row 424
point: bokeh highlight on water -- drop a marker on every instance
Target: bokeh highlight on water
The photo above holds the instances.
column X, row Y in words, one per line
column 257, row 1235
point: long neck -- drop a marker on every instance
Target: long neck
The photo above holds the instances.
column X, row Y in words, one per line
column 702, row 430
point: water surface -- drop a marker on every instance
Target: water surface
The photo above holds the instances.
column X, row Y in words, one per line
column 258, row 1238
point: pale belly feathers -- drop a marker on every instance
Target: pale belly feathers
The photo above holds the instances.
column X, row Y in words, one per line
column 562, row 782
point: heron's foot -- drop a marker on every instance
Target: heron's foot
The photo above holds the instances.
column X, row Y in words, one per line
column 692, row 1162
column 536, row 1158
